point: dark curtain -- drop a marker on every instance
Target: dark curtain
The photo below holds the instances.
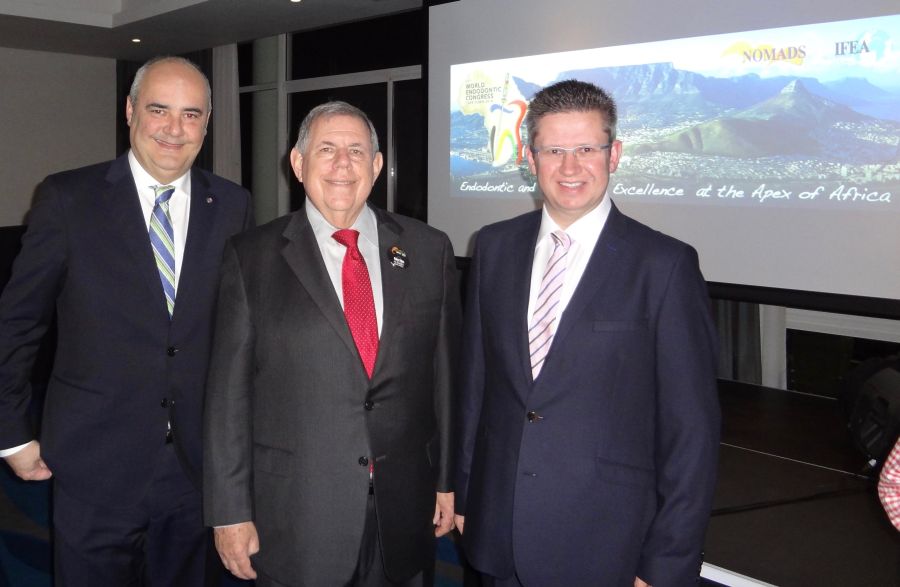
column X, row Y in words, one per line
column 739, row 341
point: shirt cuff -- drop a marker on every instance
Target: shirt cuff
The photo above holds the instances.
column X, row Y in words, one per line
column 11, row 451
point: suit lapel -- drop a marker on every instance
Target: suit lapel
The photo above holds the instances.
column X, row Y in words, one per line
column 521, row 254
column 196, row 247
column 127, row 219
column 393, row 290
column 600, row 274
column 304, row 258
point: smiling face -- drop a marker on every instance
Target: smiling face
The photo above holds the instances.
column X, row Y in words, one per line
column 338, row 167
column 168, row 121
column 573, row 187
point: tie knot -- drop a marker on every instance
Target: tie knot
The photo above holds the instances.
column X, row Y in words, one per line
column 561, row 239
column 347, row 237
column 163, row 193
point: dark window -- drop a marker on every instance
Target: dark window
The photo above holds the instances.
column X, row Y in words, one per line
column 381, row 43
column 817, row 362
column 410, row 132
column 371, row 99
column 245, row 64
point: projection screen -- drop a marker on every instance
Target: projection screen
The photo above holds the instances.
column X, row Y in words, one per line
column 774, row 151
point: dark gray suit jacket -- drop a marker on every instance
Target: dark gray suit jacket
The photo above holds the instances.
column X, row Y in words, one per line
column 87, row 257
column 291, row 415
column 612, row 476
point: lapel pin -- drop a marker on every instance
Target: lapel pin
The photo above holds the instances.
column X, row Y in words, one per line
column 209, row 199
column 398, row 258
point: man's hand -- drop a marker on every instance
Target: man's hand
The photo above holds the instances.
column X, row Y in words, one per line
column 638, row 582
column 28, row 464
column 460, row 522
column 236, row 544
column 443, row 514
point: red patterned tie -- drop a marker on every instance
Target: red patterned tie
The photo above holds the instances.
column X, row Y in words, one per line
column 359, row 305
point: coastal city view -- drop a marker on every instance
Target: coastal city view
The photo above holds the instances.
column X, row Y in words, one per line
column 833, row 139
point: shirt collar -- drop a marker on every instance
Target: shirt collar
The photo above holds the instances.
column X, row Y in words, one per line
column 586, row 230
column 365, row 223
column 145, row 181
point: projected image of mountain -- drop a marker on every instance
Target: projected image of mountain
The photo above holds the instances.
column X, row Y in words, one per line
column 641, row 89
column 793, row 123
column 806, row 121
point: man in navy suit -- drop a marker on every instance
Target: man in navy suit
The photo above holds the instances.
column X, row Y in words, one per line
column 122, row 420
column 589, row 420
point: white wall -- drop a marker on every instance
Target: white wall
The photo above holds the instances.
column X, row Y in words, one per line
column 57, row 112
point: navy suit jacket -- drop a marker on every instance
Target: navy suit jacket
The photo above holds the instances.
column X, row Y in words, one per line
column 122, row 369
column 603, row 469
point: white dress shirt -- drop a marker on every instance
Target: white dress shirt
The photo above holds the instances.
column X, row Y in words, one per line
column 584, row 233
column 179, row 206
column 333, row 252
column 179, row 211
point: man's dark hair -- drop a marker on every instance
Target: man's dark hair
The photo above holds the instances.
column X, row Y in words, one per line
column 571, row 96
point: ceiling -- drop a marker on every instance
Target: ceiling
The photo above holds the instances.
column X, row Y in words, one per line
column 106, row 28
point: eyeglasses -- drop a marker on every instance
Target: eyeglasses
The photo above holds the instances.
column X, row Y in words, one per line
column 581, row 152
column 329, row 152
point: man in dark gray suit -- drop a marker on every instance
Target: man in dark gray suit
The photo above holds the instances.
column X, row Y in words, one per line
column 327, row 422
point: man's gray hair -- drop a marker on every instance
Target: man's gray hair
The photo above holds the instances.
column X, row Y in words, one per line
column 139, row 78
column 327, row 110
column 571, row 96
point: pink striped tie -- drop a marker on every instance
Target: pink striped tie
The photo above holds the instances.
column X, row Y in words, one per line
column 543, row 321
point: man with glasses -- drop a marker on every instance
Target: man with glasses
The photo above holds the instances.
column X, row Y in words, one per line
column 589, row 419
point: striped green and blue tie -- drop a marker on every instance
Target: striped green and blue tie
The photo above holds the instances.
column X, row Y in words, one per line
column 162, row 237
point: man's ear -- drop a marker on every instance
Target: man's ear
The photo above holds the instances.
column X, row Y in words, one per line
column 129, row 110
column 531, row 164
column 297, row 164
column 377, row 164
column 615, row 151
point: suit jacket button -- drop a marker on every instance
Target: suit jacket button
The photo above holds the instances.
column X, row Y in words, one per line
column 369, row 404
column 164, row 403
column 171, row 351
column 534, row 417
column 363, row 461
